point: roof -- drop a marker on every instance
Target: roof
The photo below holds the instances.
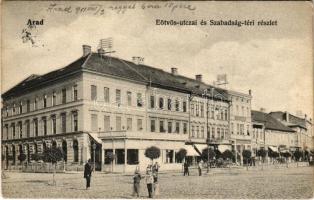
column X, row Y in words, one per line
column 117, row 67
column 270, row 122
column 293, row 120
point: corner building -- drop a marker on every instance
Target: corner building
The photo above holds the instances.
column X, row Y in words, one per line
column 99, row 106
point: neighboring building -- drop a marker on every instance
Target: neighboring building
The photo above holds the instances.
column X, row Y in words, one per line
column 277, row 136
column 118, row 107
column 302, row 126
column 240, row 121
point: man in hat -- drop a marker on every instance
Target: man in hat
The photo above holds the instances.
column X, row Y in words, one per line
column 88, row 173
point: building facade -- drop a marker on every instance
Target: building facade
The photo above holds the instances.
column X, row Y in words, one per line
column 99, row 106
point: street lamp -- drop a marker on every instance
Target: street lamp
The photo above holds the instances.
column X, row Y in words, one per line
column 94, row 149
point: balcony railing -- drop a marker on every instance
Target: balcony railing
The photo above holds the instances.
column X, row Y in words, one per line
column 142, row 135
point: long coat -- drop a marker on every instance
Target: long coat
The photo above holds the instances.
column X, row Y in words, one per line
column 88, row 170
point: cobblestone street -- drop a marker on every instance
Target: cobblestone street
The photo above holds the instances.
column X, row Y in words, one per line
column 219, row 183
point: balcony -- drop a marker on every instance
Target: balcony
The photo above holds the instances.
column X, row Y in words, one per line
column 142, row 135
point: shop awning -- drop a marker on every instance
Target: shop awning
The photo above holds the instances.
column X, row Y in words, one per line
column 274, row 149
column 190, row 151
column 222, row 148
column 201, row 147
column 95, row 138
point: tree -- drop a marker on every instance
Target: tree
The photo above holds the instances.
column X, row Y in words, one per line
column 297, row 155
column 21, row 157
column 152, row 153
column 36, row 157
column 286, row 155
column 247, row 156
column 208, row 155
column 227, row 155
column 52, row 155
column 262, row 153
column 180, row 155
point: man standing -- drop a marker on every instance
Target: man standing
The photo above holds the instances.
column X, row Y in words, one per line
column 88, row 173
column 186, row 169
column 199, row 168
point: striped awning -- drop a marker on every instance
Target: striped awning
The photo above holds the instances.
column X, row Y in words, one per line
column 273, row 148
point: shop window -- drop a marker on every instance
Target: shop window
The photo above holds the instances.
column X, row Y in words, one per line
column 169, row 156
column 132, row 156
column 119, row 156
column 108, row 156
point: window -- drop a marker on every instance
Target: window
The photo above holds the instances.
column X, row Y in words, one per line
column 197, row 132
column 197, row 110
column 93, row 92
column 212, row 113
column 226, row 115
column 192, row 109
column 75, row 121
column 169, row 156
column 202, row 131
column 152, row 101
column 169, row 127
column 132, row 156
column 238, row 129
column 221, row 114
column 177, row 105
column 202, row 109
column 129, row 124
column 248, row 130
column 222, row 133
column 36, row 104
column 106, row 95
column 139, row 100
column 63, row 122
column 118, row 96
column 177, row 127
column 139, row 124
column 108, row 156
column 75, row 93
column 185, row 128
column 20, row 129
column 53, row 124
column 44, row 125
column 94, row 122
column 7, row 131
column 13, row 130
column 119, row 156
column 36, row 127
column 213, row 132
column 152, row 125
column 169, row 104
column 161, row 126
column 161, row 103
column 13, row 110
column 184, row 106
column 21, row 108
column 106, row 123
column 129, row 96
column 64, row 95
column 208, row 132
column 232, row 128
column 218, row 133
column 193, row 131
column 118, row 123
column 237, row 110
column 242, row 108
column 242, row 129
column 45, row 101
column 54, row 98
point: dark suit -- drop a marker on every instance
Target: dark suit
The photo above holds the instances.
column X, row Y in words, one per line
column 88, row 174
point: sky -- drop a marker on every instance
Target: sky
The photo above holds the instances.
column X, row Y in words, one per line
column 275, row 62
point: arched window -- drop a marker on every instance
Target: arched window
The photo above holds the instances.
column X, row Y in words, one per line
column 64, row 150
column 75, row 151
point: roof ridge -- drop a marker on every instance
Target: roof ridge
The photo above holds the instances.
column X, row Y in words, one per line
column 121, row 60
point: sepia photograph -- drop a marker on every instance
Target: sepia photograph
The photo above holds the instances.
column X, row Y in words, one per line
column 157, row 99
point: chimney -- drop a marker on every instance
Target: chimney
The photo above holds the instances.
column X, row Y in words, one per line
column 101, row 52
column 198, row 77
column 263, row 110
column 174, row 71
column 86, row 50
column 287, row 116
column 250, row 92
